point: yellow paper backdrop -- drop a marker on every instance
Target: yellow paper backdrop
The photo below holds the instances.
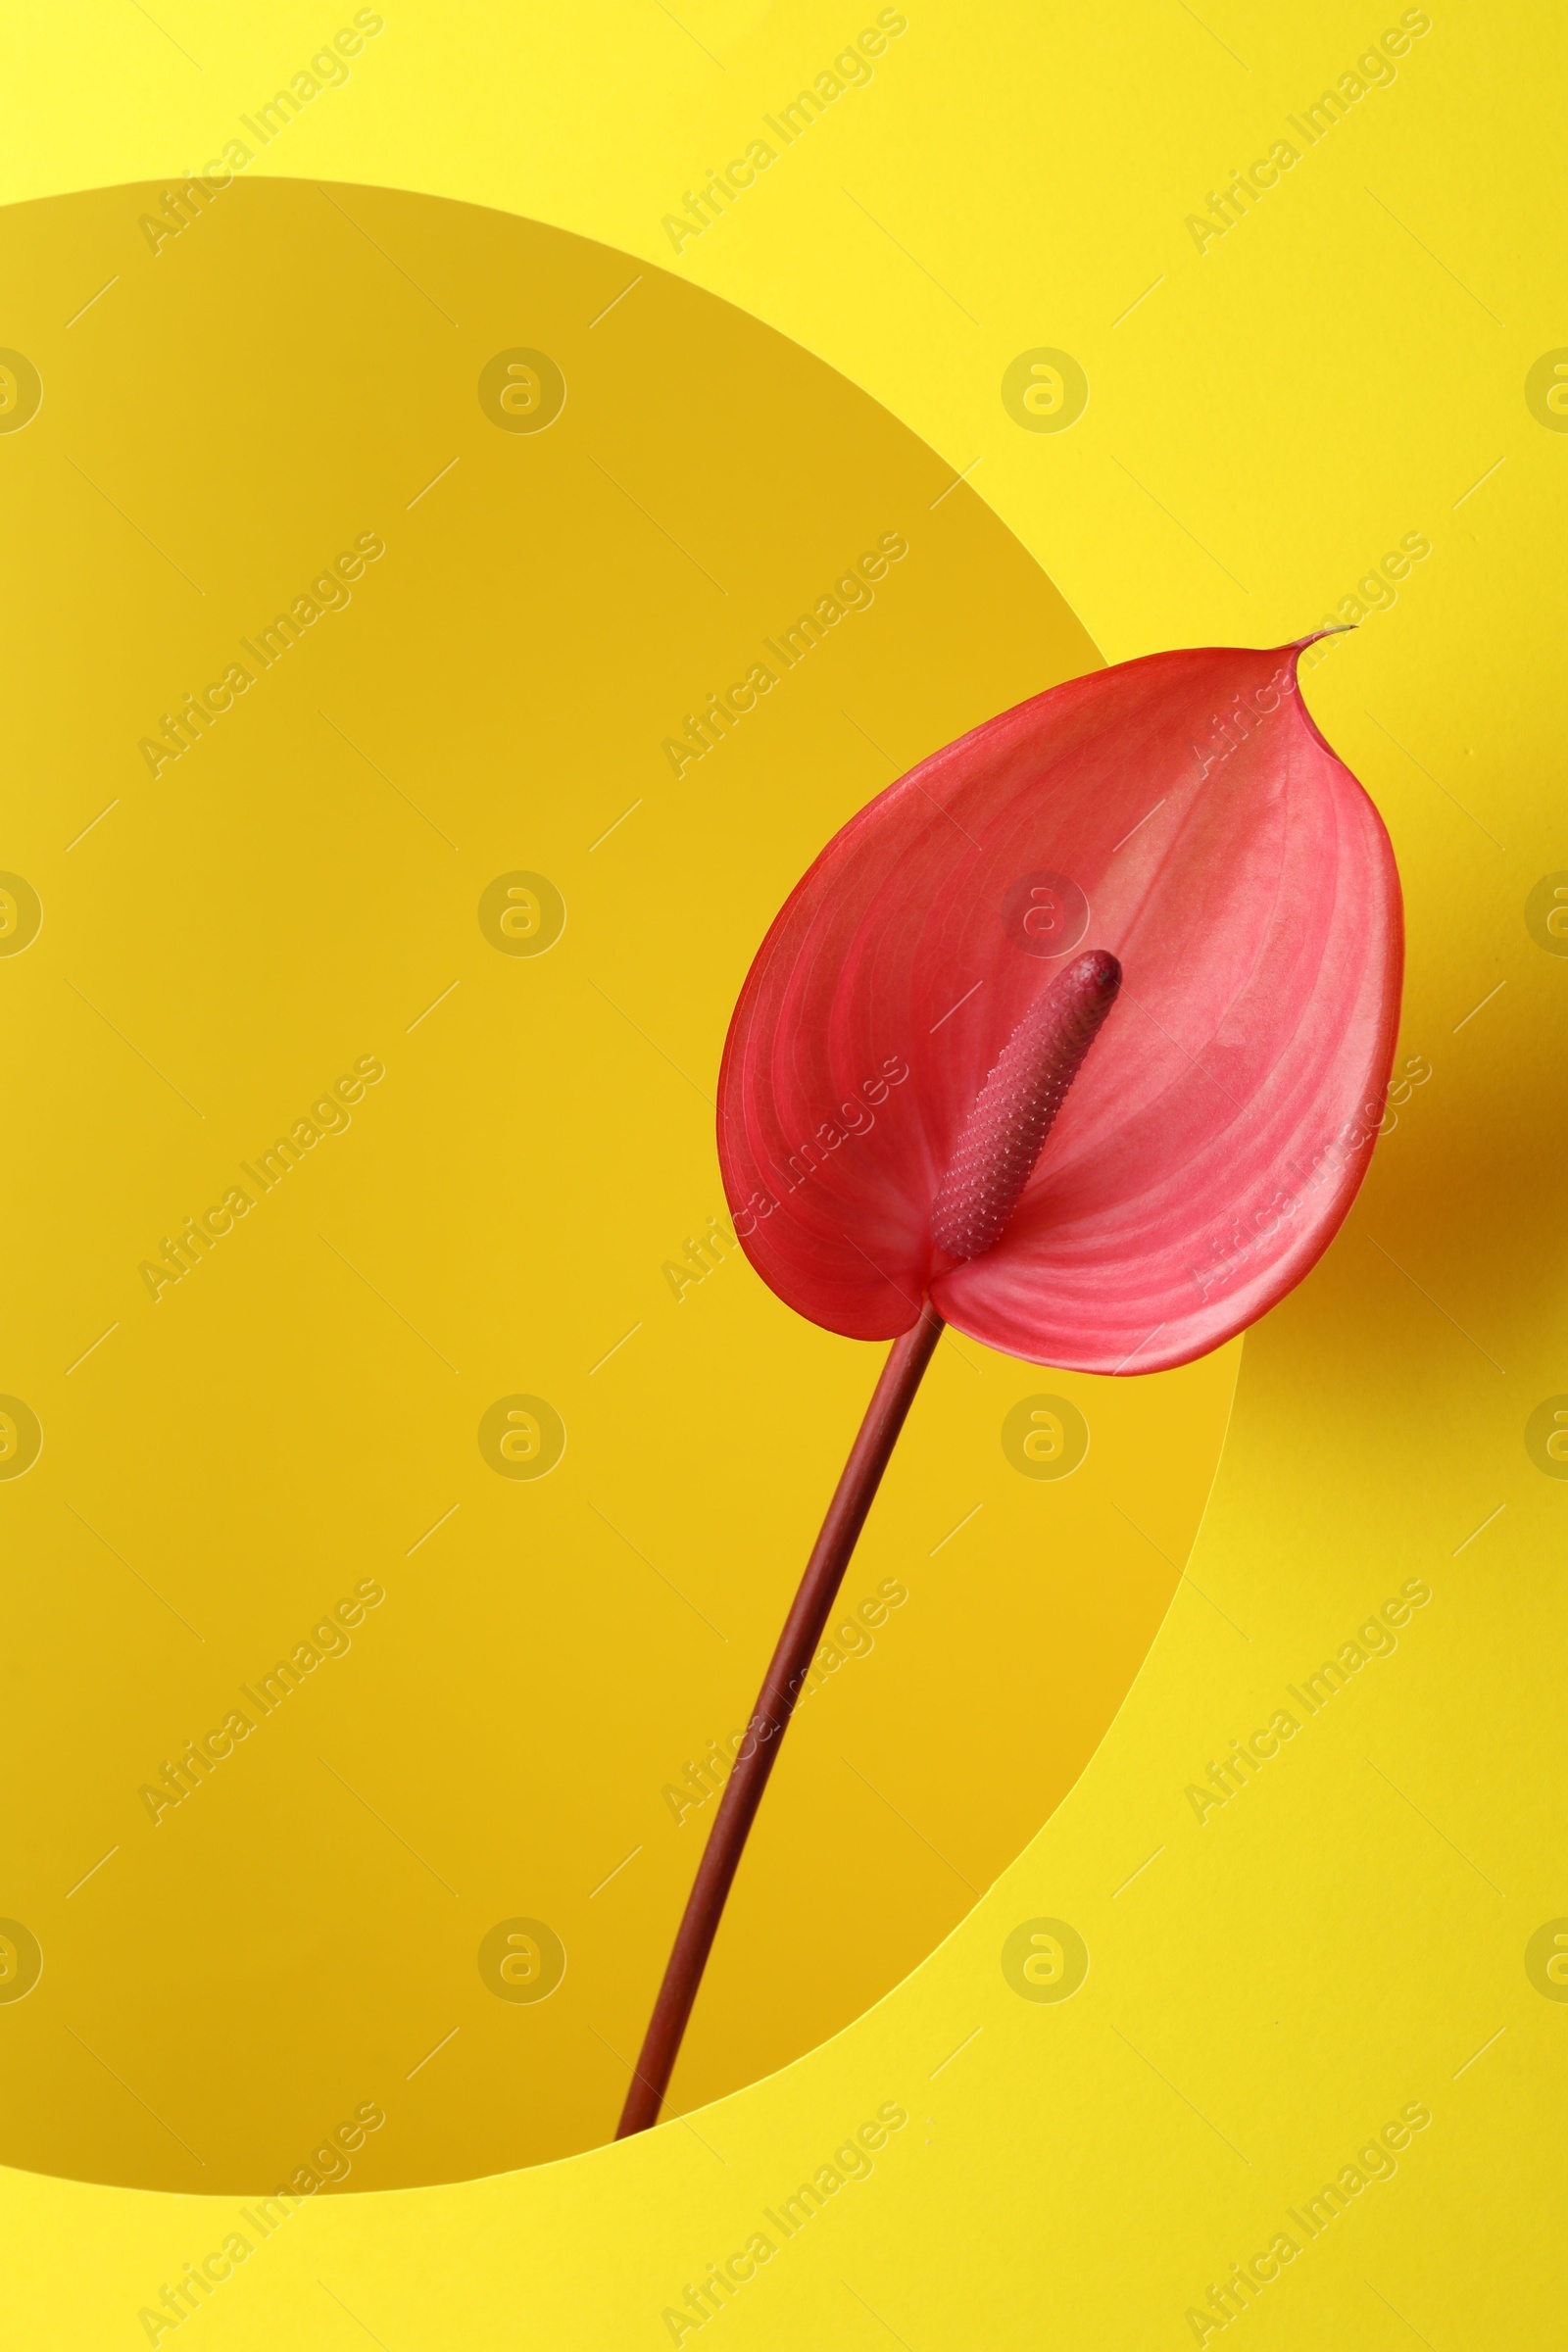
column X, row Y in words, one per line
column 1362, row 360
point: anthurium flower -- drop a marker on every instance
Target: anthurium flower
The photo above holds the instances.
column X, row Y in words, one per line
column 1182, row 814
column 1077, row 1037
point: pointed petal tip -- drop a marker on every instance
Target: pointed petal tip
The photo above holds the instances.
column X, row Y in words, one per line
column 1299, row 644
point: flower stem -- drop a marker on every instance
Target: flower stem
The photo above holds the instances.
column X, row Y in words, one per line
column 743, row 1792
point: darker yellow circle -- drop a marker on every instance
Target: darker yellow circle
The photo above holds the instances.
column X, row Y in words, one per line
column 441, row 662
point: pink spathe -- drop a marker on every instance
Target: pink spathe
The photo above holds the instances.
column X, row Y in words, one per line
column 1181, row 814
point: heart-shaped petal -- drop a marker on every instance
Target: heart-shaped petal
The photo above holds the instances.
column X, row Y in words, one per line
column 1182, row 814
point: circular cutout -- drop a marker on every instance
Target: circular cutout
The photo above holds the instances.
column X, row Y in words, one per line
column 525, row 1187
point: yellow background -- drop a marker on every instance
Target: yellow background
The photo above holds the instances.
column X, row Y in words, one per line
column 1344, row 367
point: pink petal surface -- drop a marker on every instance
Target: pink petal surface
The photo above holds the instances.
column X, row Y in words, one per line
column 1182, row 813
